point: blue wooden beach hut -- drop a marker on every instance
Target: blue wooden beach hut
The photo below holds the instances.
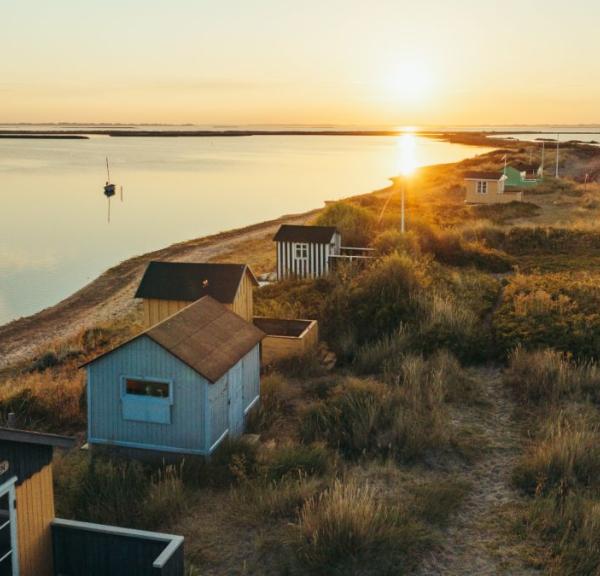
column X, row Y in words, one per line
column 180, row 387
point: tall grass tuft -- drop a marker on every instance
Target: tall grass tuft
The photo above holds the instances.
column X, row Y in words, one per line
column 345, row 530
column 546, row 376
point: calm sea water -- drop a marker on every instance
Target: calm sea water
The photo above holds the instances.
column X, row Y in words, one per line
column 54, row 235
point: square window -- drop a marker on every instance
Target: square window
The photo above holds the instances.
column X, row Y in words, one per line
column 482, row 187
column 301, row 251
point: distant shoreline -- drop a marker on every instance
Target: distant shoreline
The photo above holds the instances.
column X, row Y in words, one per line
column 133, row 133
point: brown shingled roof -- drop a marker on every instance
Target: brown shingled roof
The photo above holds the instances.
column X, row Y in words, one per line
column 205, row 335
column 483, row 175
column 189, row 281
column 310, row 234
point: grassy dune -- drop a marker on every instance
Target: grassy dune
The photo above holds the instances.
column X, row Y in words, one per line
column 457, row 432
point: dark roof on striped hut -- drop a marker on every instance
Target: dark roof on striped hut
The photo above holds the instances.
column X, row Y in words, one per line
column 26, row 453
column 309, row 234
column 205, row 335
column 190, row 281
column 483, row 175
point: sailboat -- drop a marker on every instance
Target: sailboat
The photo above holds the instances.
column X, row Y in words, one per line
column 109, row 188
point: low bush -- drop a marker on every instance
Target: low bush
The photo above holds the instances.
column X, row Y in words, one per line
column 392, row 241
column 355, row 223
column 557, row 310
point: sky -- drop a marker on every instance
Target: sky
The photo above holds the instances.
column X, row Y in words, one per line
column 338, row 62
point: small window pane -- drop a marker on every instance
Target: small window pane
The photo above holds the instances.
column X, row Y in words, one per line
column 145, row 388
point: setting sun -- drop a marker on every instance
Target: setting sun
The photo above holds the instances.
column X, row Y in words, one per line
column 411, row 83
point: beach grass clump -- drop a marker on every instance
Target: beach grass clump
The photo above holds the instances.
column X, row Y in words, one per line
column 261, row 500
column 275, row 392
column 404, row 418
column 52, row 401
column 347, row 530
column 548, row 376
column 117, row 492
column 565, row 458
column 297, row 460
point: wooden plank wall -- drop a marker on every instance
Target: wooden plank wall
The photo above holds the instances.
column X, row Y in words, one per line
column 278, row 347
column 145, row 358
column 157, row 310
column 35, row 512
column 243, row 302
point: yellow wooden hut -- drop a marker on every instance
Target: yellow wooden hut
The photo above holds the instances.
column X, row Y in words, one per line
column 35, row 543
column 488, row 188
column 168, row 287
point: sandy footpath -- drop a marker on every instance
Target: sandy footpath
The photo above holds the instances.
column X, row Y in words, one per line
column 111, row 294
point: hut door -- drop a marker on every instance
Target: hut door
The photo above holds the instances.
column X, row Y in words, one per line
column 9, row 559
column 236, row 405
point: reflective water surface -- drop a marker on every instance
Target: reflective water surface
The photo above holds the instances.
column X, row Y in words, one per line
column 54, row 235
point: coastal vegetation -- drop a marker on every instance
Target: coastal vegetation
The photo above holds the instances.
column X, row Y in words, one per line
column 477, row 320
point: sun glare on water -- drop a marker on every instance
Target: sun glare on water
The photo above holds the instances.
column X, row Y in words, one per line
column 407, row 153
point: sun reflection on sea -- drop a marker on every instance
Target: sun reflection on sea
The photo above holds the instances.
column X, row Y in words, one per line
column 407, row 153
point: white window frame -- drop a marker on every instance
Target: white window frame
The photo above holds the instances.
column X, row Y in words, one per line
column 482, row 186
column 132, row 405
column 8, row 489
column 301, row 251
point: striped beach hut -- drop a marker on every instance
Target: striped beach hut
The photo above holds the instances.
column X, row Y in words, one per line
column 168, row 287
column 305, row 251
column 179, row 387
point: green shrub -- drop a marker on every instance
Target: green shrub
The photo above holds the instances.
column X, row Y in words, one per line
column 355, row 223
column 385, row 296
column 345, row 530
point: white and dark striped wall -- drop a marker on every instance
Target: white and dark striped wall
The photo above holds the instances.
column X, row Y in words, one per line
column 305, row 259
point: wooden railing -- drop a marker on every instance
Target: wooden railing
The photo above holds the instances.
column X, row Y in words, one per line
column 81, row 548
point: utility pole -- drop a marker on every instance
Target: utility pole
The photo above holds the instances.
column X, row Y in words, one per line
column 557, row 147
column 403, row 187
column 543, row 150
